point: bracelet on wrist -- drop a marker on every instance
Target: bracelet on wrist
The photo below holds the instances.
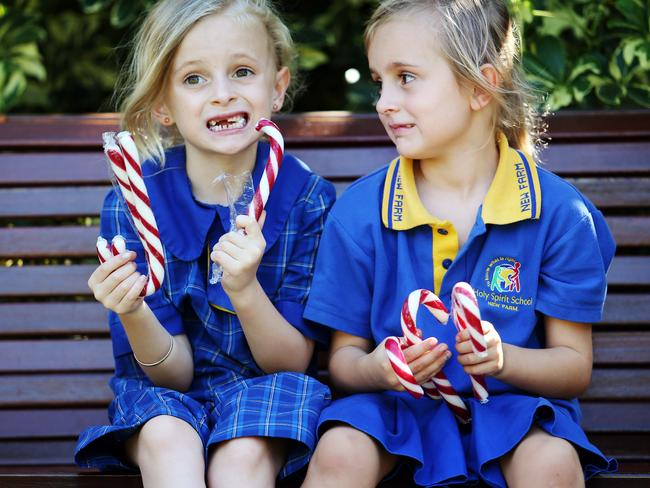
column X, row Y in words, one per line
column 156, row 363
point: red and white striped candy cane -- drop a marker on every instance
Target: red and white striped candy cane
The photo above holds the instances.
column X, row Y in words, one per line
column 271, row 169
column 125, row 163
column 466, row 315
column 409, row 327
column 400, row 366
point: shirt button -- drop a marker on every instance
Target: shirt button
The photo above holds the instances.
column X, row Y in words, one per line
column 443, row 232
column 446, row 263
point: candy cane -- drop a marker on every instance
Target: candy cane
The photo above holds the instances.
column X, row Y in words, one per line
column 412, row 335
column 105, row 252
column 125, row 164
column 273, row 163
column 466, row 315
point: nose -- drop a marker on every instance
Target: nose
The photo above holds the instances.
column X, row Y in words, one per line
column 222, row 91
column 387, row 102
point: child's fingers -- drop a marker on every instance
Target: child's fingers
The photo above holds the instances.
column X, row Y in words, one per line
column 413, row 352
column 430, row 363
column 464, row 347
column 117, row 295
column 112, row 281
column 105, row 269
column 133, row 294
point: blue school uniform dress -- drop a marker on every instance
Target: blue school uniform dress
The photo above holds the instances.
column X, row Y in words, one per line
column 525, row 256
column 230, row 395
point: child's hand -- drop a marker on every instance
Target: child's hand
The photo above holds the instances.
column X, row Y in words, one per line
column 425, row 359
column 240, row 253
column 492, row 364
column 117, row 285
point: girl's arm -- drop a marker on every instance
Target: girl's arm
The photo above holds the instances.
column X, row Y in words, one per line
column 355, row 366
column 117, row 285
column 275, row 344
column 562, row 369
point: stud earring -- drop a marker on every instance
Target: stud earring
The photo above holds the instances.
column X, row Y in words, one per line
column 167, row 120
column 275, row 106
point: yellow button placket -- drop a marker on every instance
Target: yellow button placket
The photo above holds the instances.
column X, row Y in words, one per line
column 445, row 246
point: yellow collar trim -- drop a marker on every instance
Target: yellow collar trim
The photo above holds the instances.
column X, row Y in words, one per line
column 514, row 194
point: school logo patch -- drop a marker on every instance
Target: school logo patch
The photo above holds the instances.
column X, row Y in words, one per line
column 503, row 285
column 502, row 275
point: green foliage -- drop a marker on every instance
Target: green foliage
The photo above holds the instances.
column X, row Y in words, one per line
column 63, row 55
column 587, row 54
column 20, row 59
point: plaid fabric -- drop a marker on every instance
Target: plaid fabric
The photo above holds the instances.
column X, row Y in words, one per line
column 230, row 396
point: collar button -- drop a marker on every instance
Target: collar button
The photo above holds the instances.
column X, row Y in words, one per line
column 442, row 232
column 446, row 263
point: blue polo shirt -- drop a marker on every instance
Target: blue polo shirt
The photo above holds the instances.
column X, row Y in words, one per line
column 186, row 303
column 537, row 247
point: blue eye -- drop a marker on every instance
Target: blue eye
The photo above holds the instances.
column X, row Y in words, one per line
column 243, row 72
column 406, row 78
column 194, row 80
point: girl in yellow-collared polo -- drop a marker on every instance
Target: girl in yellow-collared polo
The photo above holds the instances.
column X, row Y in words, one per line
column 464, row 201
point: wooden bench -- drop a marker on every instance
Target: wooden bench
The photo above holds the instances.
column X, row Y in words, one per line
column 55, row 353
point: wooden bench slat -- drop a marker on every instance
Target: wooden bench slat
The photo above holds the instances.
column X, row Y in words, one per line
column 626, row 309
column 623, row 446
column 63, row 480
column 35, row 281
column 615, row 192
column 48, row 242
column 619, row 384
column 66, row 168
column 52, row 318
column 616, row 417
column 56, row 390
column 619, row 348
column 57, row 203
column 49, row 423
column 28, row 356
column 79, row 242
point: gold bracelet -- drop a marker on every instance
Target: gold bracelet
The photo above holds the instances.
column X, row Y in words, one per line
column 150, row 365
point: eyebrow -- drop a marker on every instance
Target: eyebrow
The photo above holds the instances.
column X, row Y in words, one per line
column 398, row 65
column 237, row 56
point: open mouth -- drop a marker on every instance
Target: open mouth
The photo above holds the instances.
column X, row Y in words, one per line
column 230, row 122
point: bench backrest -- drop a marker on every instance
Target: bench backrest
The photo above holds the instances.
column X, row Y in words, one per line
column 55, row 353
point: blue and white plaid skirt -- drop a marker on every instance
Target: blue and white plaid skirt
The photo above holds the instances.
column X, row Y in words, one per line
column 221, row 404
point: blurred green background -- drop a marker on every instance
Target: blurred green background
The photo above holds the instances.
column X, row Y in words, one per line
column 62, row 56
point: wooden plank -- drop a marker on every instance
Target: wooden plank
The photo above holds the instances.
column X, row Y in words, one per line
column 56, row 203
column 597, row 158
column 623, row 309
column 36, row 281
column 629, row 271
column 53, row 168
column 624, row 447
column 53, row 319
column 31, row 356
column 70, row 480
column 48, row 242
column 619, row 384
column 57, row 390
column 41, row 281
column 49, row 423
column 615, row 417
column 630, row 231
column 615, row 192
column 621, row 348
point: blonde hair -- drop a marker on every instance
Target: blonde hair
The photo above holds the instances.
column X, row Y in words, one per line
column 473, row 33
column 144, row 75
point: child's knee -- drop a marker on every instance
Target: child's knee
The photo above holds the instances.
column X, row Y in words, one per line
column 545, row 461
column 342, row 449
column 165, row 435
column 244, row 454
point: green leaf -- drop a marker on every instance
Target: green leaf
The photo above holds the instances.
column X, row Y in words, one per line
column 640, row 94
column 581, row 88
column 537, row 71
column 551, row 54
column 13, row 89
column 633, row 12
column 617, row 67
column 586, row 64
column 560, row 97
column 310, row 58
column 93, row 6
column 32, row 67
column 123, row 13
column 610, row 93
column 630, row 47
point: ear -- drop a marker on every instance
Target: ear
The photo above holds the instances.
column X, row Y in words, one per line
column 480, row 97
column 162, row 115
column 282, row 79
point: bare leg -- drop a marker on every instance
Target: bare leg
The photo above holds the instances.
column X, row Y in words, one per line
column 169, row 453
column 246, row 461
column 543, row 461
column 346, row 457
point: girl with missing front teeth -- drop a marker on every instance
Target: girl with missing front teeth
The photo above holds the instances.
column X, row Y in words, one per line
column 209, row 384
